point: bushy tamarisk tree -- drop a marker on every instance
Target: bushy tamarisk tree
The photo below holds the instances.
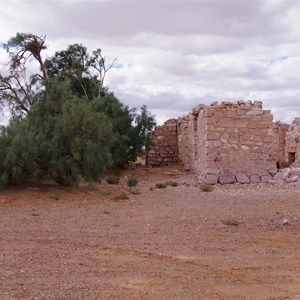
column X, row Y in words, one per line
column 61, row 127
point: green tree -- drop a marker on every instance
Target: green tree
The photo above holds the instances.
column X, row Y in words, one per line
column 61, row 127
column 63, row 137
column 86, row 72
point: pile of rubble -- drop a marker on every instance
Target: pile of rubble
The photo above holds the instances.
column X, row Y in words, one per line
column 287, row 175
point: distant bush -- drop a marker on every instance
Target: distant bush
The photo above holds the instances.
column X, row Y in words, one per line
column 113, row 180
column 132, row 181
column 230, row 222
column 135, row 192
column 117, row 172
column 172, row 183
column 122, row 196
column 206, row 187
column 161, row 185
column 105, row 193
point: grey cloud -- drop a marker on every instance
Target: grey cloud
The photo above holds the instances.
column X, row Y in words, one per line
column 182, row 52
column 240, row 19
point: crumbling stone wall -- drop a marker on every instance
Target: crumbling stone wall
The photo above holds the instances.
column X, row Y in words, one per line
column 280, row 130
column 292, row 144
column 232, row 142
column 227, row 143
column 164, row 149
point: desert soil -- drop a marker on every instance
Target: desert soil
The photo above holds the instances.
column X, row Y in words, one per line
column 172, row 243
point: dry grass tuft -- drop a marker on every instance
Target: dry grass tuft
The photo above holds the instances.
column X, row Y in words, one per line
column 206, row 187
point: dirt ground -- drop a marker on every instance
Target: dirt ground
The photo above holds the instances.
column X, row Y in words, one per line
column 172, row 243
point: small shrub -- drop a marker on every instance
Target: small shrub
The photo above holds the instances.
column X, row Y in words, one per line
column 135, row 192
column 230, row 222
column 55, row 197
column 117, row 172
column 206, row 187
column 105, row 193
column 172, row 183
column 161, row 185
column 113, row 180
column 132, row 181
column 151, row 189
column 122, row 196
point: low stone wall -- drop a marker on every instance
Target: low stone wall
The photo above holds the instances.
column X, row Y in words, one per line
column 164, row 148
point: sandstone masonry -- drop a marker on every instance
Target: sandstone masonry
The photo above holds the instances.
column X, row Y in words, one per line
column 226, row 143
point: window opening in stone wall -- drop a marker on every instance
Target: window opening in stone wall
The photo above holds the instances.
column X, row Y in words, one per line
column 195, row 123
column 292, row 157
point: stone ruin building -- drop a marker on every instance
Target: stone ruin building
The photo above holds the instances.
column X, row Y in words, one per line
column 228, row 142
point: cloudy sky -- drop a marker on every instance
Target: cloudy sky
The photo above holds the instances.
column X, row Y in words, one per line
column 174, row 55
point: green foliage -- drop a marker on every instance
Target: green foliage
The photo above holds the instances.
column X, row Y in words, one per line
column 132, row 181
column 113, row 180
column 63, row 137
column 130, row 129
column 161, row 185
column 73, row 64
column 65, row 125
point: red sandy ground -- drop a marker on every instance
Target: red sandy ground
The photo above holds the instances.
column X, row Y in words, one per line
column 81, row 243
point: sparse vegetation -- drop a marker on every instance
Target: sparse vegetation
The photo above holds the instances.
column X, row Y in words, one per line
column 105, row 193
column 206, row 187
column 161, row 185
column 230, row 222
column 122, row 196
column 55, row 196
column 113, row 180
column 117, row 172
column 135, row 192
column 172, row 183
column 132, row 182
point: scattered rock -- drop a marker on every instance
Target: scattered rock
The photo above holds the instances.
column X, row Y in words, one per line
column 285, row 221
column 292, row 179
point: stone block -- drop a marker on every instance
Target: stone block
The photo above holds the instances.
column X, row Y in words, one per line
column 255, row 112
column 254, row 179
column 266, row 178
column 272, row 171
column 212, row 171
column 211, row 179
column 227, row 178
column 226, row 122
column 242, row 177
